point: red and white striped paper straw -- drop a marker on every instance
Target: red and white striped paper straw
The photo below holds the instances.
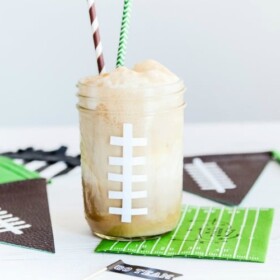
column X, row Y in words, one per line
column 96, row 37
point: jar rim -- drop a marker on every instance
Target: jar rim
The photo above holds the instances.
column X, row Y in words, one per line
column 147, row 97
column 131, row 86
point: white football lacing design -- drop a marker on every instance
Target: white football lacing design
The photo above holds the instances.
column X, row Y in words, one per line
column 209, row 176
column 8, row 223
column 127, row 161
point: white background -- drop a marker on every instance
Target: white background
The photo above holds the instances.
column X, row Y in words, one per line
column 226, row 51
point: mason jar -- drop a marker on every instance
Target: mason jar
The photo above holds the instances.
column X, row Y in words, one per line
column 131, row 158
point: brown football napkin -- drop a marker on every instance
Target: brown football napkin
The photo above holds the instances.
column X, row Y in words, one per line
column 223, row 178
column 24, row 215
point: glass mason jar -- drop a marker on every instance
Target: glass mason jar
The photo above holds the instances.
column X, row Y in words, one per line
column 132, row 158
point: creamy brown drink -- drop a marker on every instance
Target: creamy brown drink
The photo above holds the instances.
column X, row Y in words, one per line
column 131, row 124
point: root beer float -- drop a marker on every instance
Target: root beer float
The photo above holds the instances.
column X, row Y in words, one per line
column 131, row 124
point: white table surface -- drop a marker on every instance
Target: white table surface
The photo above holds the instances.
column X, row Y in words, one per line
column 74, row 257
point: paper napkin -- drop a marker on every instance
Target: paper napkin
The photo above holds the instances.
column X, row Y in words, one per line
column 11, row 172
column 240, row 234
column 24, row 215
column 224, row 178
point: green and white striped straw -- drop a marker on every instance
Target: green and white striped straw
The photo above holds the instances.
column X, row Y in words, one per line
column 124, row 32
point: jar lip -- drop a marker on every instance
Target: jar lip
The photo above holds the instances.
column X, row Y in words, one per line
column 81, row 83
column 146, row 96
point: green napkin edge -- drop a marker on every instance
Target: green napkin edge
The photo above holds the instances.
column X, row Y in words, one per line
column 18, row 172
column 265, row 242
column 276, row 155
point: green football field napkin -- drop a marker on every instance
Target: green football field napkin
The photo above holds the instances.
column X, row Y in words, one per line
column 11, row 172
column 240, row 234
